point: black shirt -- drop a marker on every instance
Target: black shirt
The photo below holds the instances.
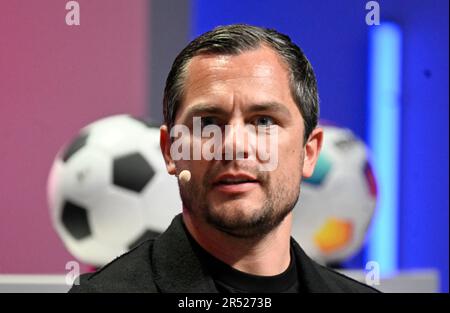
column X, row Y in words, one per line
column 230, row 280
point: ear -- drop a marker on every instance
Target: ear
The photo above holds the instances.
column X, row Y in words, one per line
column 311, row 151
column 165, row 143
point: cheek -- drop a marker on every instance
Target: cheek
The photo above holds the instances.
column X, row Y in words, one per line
column 290, row 148
column 290, row 158
column 198, row 170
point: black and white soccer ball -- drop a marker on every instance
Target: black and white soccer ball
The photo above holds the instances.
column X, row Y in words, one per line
column 109, row 189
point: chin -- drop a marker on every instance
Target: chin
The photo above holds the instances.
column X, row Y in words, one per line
column 235, row 211
column 238, row 205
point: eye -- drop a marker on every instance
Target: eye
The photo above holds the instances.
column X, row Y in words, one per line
column 209, row 120
column 264, row 121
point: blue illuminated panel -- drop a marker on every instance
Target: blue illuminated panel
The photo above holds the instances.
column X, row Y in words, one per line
column 384, row 140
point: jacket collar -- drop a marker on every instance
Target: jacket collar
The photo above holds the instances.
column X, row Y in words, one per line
column 177, row 268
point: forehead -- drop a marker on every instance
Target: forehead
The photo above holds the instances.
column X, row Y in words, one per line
column 252, row 62
column 255, row 73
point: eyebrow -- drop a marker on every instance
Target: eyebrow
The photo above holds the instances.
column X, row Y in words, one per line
column 267, row 107
column 203, row 108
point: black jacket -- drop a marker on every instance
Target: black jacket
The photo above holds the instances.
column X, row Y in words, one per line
column 170, row 264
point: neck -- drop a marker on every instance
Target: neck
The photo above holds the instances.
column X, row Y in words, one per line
column 266, row 256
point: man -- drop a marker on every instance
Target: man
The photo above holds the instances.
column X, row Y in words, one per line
column 234, row 232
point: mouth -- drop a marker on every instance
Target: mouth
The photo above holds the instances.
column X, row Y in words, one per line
column 235, row 183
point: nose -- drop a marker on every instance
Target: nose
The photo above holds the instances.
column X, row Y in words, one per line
column 238, row 143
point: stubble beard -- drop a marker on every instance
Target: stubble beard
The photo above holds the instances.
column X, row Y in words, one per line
column 237, row 222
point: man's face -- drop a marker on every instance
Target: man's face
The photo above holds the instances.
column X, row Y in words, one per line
column 251, row 88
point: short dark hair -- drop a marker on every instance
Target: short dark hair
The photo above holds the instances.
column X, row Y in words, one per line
column 233, row 40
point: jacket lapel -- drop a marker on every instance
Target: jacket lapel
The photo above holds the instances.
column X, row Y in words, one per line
column 309, row 273
column 176, row 268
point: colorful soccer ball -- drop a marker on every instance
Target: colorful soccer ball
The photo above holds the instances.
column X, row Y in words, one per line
column 336, row 204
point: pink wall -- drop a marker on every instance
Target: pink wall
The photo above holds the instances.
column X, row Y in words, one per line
column 54, row 79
